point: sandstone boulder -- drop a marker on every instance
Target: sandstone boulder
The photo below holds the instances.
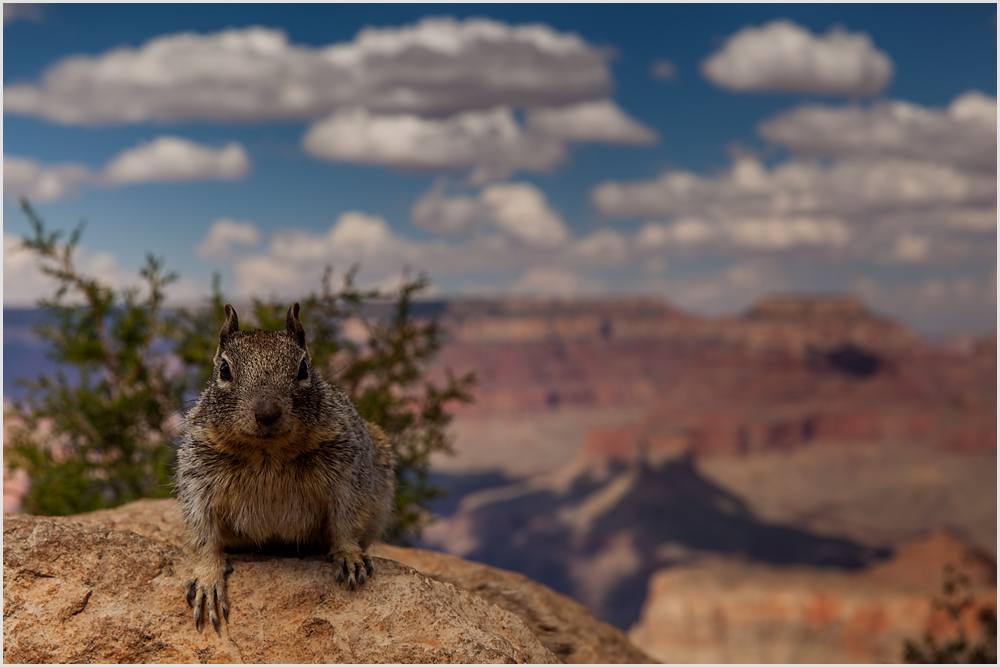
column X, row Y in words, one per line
column 565, row 626
column 108, row 587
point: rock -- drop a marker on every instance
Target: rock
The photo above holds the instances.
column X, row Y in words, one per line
column 77, row 591
column 543, row 355
column 107, row 586
column 598, row 534
column 730, row 611
column 566, row 627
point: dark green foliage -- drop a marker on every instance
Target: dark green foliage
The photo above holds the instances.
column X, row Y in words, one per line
column 960, row 648
column 113, row 426
column 106, row 440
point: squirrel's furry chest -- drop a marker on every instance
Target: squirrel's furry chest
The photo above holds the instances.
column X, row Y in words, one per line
column 273, row 503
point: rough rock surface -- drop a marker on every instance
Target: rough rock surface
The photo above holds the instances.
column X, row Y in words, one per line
column 730, row 611
column 108, row 587
column 565, row 626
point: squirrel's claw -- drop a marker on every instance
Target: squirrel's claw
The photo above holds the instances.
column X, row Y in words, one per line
column 210, row 598
column 352, row 570
column 213, row 612
column 199, row 605
column 369, row 566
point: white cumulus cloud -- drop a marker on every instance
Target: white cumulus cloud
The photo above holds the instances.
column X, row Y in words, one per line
column 23, row 177
column 176, row 159
column 725, row 291
column 445, row 215
column 165, row 159
column 360, row 234
column 519, row 210
column 294, row 259
column 798, row 187
column 784, row 57
column 964, row 135
column 225, row 233
column 597, row 120
column 604, row 247
column 858, row 206
column 778, row 233
column 507, row 227
column 24, row 283
column 437, row 66
column 490, row 141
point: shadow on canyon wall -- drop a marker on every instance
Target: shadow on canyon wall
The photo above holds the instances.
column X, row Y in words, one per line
column 626, row 522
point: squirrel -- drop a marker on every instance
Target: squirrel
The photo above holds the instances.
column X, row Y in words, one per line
column 276, row 460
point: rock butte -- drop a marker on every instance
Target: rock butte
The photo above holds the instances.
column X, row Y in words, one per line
column 729, row 611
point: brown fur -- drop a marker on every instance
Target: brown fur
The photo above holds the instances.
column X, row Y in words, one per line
column 275, row 459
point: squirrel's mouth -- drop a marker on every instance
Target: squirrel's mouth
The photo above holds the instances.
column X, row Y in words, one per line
column 269, row 433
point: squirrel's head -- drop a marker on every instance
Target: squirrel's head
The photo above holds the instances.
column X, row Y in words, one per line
column 262, row 385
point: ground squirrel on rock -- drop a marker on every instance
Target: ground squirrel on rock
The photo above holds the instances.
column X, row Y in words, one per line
column 275, row 459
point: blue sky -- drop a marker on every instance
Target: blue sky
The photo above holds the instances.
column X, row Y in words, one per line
column 705, row 154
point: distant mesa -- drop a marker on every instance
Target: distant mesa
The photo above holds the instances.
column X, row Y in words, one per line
column 538, row 354
column 722, row 610
column 512, row 307
column 787, row 322
column 529, row 320
column 809, row 308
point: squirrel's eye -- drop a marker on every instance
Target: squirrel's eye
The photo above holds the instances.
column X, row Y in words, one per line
column 224, row 372
column 303, row 370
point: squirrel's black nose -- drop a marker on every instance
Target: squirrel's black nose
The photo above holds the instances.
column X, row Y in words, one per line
column 266, row 412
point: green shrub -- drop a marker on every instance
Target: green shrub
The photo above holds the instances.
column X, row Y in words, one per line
column 105, row 438
column 960, row 648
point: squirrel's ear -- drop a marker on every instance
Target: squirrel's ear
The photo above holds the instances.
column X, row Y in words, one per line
column 293, row 325
column 231, row 326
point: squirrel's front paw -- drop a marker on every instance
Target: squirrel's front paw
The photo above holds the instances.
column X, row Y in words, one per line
column 208, row 591
column 352, row 569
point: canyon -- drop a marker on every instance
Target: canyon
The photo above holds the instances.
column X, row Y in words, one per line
column 615, row 445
